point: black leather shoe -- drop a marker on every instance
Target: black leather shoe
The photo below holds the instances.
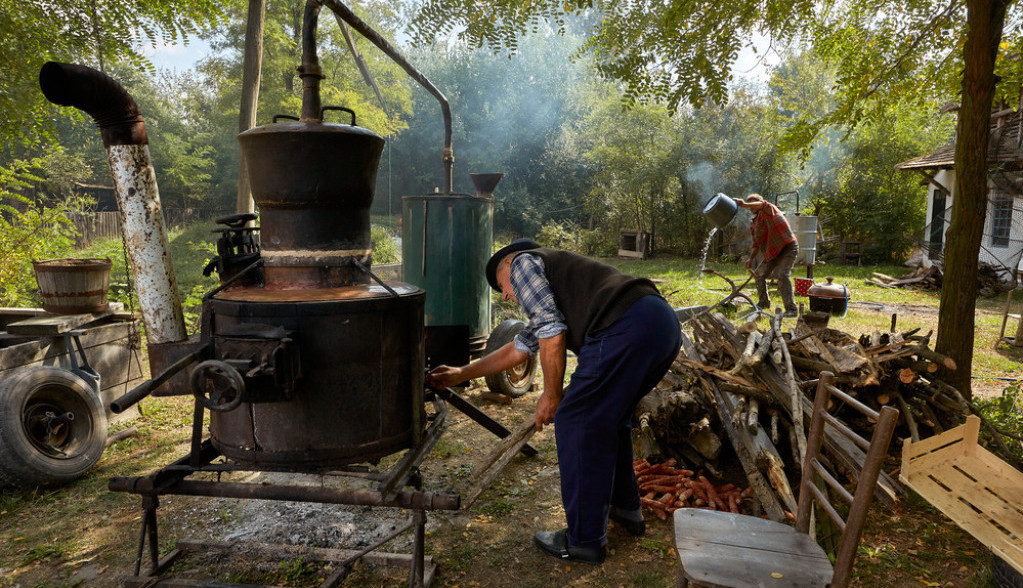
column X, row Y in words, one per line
column 631, row 526
column 556, row 544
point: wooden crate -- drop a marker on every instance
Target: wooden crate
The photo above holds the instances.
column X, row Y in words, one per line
column 973, row 487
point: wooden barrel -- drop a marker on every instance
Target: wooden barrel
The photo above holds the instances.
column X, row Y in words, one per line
column 73, row 286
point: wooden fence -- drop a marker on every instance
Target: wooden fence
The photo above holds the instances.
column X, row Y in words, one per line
column 107, row 225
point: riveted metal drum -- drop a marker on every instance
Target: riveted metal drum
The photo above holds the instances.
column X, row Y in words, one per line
column 313, row 183
column 805, row 229
column 359, row 396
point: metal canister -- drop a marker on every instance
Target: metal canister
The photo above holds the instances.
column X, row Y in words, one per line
column 720, row 210
column 446, row 242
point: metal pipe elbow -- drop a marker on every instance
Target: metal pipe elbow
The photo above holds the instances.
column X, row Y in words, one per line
column 99, row 96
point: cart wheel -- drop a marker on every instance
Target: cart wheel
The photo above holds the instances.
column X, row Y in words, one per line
column 1005, row 576
column 53, row 427
column 517, row 380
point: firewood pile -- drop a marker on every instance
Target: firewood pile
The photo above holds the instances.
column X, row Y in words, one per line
column 922, row 278
column 737, row 401
column 990, row 279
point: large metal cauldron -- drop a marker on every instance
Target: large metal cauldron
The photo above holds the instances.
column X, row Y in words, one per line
column 360, row 393
column 313, row 183
column 329, row 366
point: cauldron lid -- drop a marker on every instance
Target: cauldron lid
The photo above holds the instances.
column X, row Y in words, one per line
column 292, row 127
column 829, row 290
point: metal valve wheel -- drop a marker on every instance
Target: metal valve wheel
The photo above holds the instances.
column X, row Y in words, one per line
column 217, row 385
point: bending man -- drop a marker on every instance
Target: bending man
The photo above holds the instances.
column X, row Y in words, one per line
column 625, row 336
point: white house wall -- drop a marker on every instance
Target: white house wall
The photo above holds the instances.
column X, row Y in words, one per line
column 997, row 256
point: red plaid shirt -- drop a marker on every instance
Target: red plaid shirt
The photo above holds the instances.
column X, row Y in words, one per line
column 771, row 232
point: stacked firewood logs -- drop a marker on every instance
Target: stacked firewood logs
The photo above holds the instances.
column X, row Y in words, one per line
column 742, row 396
column 922, row 278
column 991, row 279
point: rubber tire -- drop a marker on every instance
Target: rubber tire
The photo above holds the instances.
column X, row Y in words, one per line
column 1004, row 575
column 24, row 463
column 518, row 380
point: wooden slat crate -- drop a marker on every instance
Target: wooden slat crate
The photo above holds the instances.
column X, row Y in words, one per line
column 973, row 487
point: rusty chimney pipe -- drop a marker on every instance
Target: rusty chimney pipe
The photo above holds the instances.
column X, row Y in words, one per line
column 124, row 137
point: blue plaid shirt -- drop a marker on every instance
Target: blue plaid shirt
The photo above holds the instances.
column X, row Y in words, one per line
column 533, row 291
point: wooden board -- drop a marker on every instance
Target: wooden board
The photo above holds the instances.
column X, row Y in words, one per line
column 50, row 325
column 970, row 485
column 724, row 549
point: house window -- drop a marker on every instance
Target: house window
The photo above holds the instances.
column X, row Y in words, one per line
column 1001, row 220
column 937, row 231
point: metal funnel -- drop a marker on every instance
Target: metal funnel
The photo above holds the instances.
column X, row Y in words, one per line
column 485, row 183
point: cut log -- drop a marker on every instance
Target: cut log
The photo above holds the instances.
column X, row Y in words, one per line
column 740, row 439
column 924, row 352
column 811, row 365
column 907, row 415
column 796, row 406
column 907, row 375
column 750, row 392
column 718, row 373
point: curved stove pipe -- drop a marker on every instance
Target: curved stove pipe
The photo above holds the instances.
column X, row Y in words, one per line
column 138, row 199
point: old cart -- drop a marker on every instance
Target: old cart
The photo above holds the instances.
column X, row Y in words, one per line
column 57, row 375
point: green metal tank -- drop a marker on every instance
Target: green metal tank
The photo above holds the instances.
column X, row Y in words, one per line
column 446, row 242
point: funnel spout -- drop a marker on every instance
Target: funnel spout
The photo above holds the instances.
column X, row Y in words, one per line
column 485, row 183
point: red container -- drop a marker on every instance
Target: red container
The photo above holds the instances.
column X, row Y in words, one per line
column 803, row 286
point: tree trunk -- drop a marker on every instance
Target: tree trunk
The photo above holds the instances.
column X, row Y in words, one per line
column 956, row 317
column 250, row 93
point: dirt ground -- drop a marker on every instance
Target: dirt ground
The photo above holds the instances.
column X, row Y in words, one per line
column 489, row 544
column 83, row 535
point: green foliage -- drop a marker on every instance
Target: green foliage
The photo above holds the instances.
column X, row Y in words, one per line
column 849, row 179
column 572, row 238
column 506, row 113
column 81, row 31
column 35, row 229
column 683, row 51
column 385, row 248
column 191, row 248
column 1005, row 413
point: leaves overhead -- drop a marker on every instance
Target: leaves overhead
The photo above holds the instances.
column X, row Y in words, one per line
column 91, row 32
column 681, row 52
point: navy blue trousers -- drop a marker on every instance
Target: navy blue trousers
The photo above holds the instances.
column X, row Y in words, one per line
column 592, row 425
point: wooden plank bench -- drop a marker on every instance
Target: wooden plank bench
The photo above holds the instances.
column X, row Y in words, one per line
column 973, row 487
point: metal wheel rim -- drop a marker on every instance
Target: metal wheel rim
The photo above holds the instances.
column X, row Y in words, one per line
column 63, row 440
column 519, row 374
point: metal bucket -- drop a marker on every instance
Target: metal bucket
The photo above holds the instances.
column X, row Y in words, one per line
column 720, row 210
column 73, row 286
column 805, row 230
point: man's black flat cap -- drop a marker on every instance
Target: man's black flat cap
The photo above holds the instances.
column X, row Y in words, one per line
column 495, row 259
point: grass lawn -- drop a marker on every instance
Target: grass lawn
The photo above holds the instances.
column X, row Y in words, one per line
column 58, row 537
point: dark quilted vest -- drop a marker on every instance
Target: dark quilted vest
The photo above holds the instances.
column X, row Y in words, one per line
column 590, row 294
